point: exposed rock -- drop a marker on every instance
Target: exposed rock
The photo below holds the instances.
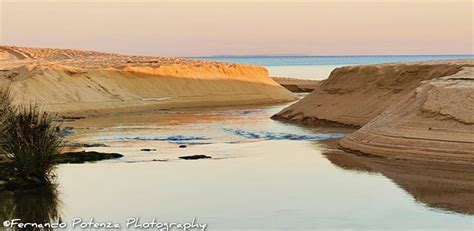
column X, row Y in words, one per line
column 160, row 160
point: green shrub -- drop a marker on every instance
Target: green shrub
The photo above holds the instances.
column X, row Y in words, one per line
column 30, row 141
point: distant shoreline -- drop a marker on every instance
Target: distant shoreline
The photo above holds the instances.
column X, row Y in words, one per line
column 322, row 56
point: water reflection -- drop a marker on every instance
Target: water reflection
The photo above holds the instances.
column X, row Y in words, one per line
column 448, row 187
column 287, row 183
column 33, row 206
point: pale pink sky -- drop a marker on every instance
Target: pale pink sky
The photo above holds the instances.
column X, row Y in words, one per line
column 242, row 28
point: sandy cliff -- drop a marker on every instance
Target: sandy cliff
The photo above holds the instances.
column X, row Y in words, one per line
column 355, row 95
column 434, row 122
column 83, row 82
column 419, row 111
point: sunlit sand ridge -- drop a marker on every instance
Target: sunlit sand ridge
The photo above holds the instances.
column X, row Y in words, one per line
column 86, row 82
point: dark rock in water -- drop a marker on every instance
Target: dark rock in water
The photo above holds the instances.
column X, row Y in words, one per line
column 182, row 146
column 95, row 145
column 73, row 117
column 195, row 157
column 82, row 157
column 69, row 118
column 147, row 149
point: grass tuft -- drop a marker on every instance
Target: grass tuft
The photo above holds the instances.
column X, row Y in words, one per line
column 5, row 113
column 30, row 142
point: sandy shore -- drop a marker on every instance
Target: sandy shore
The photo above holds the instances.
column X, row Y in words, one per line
column 86, row 82
column 421, row 110
column 298, row 85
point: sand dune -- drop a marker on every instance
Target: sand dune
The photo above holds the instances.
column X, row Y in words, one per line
column 419, row 110
column 85, row 82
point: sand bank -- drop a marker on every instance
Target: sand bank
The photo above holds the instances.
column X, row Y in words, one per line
column 298, row 85
column 422, row 110
column 434, row 122
column 355, row 95
column 85, row 82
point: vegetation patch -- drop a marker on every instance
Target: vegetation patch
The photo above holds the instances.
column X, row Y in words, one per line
column 30, row 146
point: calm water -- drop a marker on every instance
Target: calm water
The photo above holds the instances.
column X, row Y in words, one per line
column 319, row 67
column 264, row 175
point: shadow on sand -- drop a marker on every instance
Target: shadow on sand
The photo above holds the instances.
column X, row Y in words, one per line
column 448, row 187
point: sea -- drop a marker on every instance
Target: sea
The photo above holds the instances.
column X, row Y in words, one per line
column 319, row 67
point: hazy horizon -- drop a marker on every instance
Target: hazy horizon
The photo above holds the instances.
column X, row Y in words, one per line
column 338, row 55
column 191, row 29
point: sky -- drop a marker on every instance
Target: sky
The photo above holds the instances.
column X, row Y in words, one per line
column 192, row 28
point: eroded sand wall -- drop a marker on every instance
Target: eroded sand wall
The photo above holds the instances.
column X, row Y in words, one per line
column 434, row 122
column 422, row 111
column 355, row 95
column 77, row 82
